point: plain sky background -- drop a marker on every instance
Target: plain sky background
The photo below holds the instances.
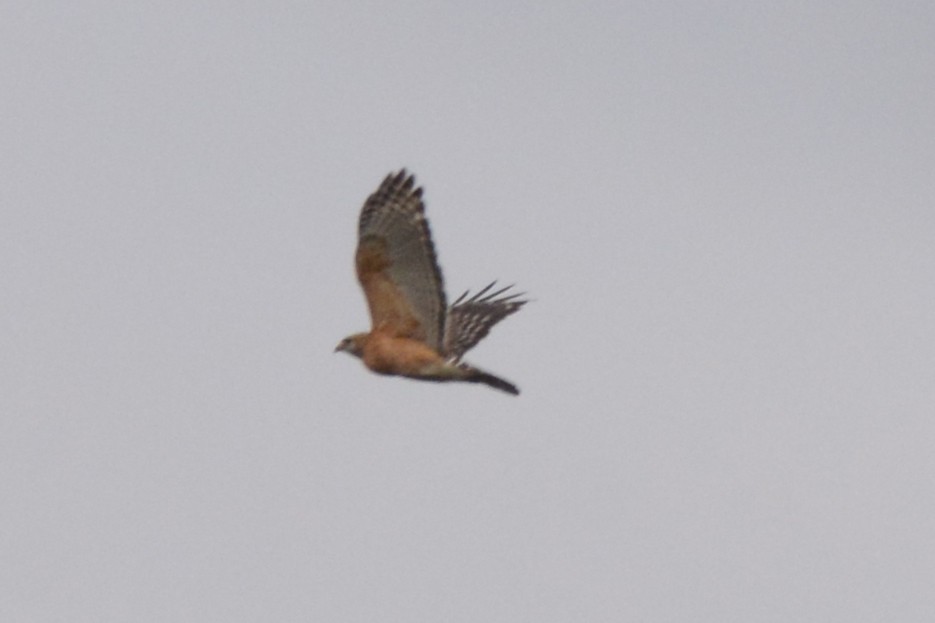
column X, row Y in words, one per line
column 725, row 215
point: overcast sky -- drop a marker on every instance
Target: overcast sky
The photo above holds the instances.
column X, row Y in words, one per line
column 724, row 213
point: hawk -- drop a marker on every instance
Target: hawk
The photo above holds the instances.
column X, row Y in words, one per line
column 414, row 333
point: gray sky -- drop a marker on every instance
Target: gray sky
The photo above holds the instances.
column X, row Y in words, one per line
column 722, row 210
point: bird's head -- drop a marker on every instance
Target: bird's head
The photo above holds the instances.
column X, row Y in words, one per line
column 352, row 344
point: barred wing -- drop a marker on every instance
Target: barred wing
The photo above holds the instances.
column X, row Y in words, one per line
column 396, row 263
column 470, row 319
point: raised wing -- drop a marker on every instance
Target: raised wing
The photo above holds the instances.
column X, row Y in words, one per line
column 396, row 263
column 470, row 319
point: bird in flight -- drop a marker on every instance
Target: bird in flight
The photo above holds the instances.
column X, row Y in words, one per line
column 414, row 332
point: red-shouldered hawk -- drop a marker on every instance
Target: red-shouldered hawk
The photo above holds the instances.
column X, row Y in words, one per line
column 413, row 331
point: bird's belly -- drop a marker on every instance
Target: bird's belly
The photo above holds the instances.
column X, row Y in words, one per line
column 399, row 356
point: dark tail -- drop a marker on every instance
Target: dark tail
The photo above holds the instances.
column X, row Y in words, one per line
column 479, row 376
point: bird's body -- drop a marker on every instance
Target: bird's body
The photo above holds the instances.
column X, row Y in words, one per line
column 383, row 353
column 414, row 333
